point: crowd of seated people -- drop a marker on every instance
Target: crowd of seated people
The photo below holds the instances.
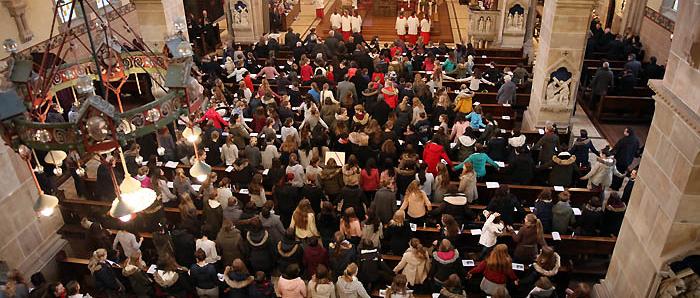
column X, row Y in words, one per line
column 318, row 227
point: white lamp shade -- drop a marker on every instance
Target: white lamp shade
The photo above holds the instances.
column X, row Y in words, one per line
column 129, row 185
column 200, row 169
column 192, row 133
column 134, row 196
column 45, row 204
column 119, row 209
column 55, row 157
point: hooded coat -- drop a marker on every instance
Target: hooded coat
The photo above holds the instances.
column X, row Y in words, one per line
column 140, row 282
column 445, row 264
column 313, row 256
column 580, row 149
column 331, row 180
column 288, row 252
column 259, row 251
column 173, row 283
column 229, row 243
column 547, row 145
column 563, row 169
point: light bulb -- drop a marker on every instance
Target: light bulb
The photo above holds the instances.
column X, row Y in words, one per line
column 192, row 139
column 46, row 212
column 201, row 178
column 138, row 159
column 161, row 151
column 58, row 171
column 39, row 169
column 125, row 218
column 80, row 172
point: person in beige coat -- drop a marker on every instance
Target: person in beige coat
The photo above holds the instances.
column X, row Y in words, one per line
column 601, row 174
column 415, row 202
column 415, row 263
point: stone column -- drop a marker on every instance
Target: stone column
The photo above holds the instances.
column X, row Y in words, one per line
column 559, row 61
column 29, row 242
column 632, row 16
column 250, row 19
column 662, row 223
column 17, row 9
column 157, row 19
column 528, row 49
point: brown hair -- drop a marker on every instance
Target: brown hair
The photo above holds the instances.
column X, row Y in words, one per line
column 546, row 259
column 418, row 249
column 499, row 260
column 300, row 216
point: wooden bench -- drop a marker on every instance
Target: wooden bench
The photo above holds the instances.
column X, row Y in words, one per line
column 625, row 108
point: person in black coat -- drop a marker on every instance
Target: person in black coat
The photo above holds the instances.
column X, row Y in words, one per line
column 505, row 203
column 625, row 150
column 581, row 147
column 105, row 279
column 627, row 83
column 104, row 178
column 591, row 219
column 353, row 196
column 184, row 245
column 258, row 250
column 602, row 80
column 445, row 262
column 398, row 233
column 371, row 267
column 286, row 199
column 289, row 251
column 497, row 148
column 313, row 193
column 627, row 191
column 521, row 167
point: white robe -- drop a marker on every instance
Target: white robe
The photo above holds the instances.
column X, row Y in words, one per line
column 356, row 24
column 335, row 21
column 320, row 4
column 425, row 25
column 346, row 24
column 400, row 26
column 412, row 23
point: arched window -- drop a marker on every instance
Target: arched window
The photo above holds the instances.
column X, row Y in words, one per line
column 64, row 7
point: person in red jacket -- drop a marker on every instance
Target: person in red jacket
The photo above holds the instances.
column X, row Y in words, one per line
column 432, row 154
column 314, row 254
column 497, row 269
column 391, row 94
column 306, row 71
column 212, row 115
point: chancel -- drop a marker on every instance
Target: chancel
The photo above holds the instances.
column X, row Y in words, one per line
column 350, row 148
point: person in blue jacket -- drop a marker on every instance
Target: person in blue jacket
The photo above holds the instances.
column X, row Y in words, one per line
column 479, row 159
column 475, row 118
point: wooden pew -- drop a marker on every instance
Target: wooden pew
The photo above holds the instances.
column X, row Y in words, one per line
column 626, row 108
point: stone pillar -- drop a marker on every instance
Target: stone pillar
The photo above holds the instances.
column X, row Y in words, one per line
column 250, row 19
column 632, row 16
column 662, row 222
column 528, row 49
column 29, row 242
column 157, row 20
column 17, row 9
column 559, row 61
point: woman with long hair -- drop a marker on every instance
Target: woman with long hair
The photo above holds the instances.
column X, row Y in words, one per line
column 493, row 227
column 442, row 183
column 369, row 179
column 182, row 184
column 237, row 278
column 399, row 288
column 416, row 203
column 350, row 226
column 257, row 191
column 529, row 239
column 415, row 263
column 451, row 230
column 106, row 280
column 351, row 171
column 372, row 229
column 342, row 253
column 160, row 185
column 497, row 270
column 188, row 215
column 320, row 285
column 304, row 221
column 328, row 222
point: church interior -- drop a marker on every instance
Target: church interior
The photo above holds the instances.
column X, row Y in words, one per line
column 350, row 148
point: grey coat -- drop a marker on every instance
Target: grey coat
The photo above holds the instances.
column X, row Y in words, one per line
column 345, row 87
column 603, row 79
column 384, row 204
column 506, row 94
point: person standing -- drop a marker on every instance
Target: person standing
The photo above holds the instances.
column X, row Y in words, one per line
column 345, row 25
column 506, row 94
column 401, row 26
column 425, row 29
column 412, row 22
column 603, row 79
column 320, row 5
column 624, row 152
column 335, row 20
column 356, row 22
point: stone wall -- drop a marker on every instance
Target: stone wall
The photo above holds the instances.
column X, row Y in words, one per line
column 29, row 242
column 656, row 40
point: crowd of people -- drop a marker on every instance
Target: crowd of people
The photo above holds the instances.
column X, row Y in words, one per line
column 316, row 223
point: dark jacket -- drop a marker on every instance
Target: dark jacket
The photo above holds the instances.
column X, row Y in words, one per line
column 580, row 149
column 184, row 247
column 398, row 237
column 286, row 200
column 105, row 278
column 547, row 145
column 521, row 169
column 455, row 204
column 384, row 204
column 603, row 79
column 353, row 196
column 527, row 244
column 259, row 251
column 543, row 210
column 203, row 277
column 370, row 264
column 139, row 281
column 314, row 194
column 625, row 150
column 327, row 224
column 442, row 266
column 261, row 290
column 497, row 149
column 591, row 220
column 341, row 257
column 213, row 217
column 230, row 245
column 331, row 180
column 314, row 255
column 563, row 170
column 288, row 252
